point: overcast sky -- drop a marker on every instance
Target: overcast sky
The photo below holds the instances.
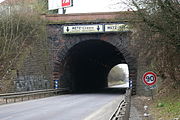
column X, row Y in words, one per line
column 89, row 6
column 86, row 6
column 1, row 1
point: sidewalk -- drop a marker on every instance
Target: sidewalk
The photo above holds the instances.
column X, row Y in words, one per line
column 134, row 113
column 137, row 108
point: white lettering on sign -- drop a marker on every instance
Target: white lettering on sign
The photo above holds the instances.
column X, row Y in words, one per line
column 97, row 28
column 116, row 28
column 66, row 3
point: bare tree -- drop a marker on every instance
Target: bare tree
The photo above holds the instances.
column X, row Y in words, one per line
column 157, row 37
column 21, row 28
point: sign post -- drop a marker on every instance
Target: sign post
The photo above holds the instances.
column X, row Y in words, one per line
column 150, row 79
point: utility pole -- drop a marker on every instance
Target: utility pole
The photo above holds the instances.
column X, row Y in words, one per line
column 64, row 10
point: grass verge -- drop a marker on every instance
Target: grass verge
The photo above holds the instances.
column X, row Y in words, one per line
column 167, row 107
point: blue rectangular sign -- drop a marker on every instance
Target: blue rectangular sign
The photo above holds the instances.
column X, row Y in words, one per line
column 56, row 84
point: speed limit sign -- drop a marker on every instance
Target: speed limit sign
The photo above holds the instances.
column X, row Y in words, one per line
column 149, row 78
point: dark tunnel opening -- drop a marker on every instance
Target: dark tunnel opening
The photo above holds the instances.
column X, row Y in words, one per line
column 87, row 65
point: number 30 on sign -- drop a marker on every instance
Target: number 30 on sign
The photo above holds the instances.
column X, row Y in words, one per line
column 149, row 78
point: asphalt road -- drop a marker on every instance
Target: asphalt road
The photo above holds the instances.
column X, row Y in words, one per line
column 64, row 107
column 126, row 85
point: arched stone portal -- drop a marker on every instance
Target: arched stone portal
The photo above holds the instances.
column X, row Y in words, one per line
column 84, row 66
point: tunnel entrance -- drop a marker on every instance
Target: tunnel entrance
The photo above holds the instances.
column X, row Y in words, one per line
column 87, row 64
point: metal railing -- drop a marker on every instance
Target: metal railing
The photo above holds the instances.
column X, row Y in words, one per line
column 22, row 96
column 123, row 110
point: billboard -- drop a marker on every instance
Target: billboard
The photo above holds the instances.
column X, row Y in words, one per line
column 54, row 4
column 57, row 4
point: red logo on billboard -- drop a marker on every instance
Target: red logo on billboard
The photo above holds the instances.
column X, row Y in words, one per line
column 66, row 3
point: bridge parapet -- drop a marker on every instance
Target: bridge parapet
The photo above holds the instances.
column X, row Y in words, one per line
column 90, row 17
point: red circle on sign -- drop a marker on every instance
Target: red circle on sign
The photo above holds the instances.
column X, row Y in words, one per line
column 148, row 75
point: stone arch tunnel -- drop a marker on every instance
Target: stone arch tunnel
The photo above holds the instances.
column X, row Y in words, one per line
column 88, row 64
column 82, row 61
column 83, row 64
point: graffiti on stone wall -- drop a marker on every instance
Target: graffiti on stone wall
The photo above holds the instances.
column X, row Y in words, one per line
column 31, row 82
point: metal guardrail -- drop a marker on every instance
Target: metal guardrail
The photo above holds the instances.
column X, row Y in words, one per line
column 123, row 110
column 29, row 95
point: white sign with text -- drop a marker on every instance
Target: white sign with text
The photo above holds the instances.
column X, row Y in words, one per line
column 95, row 28
column 116, row 27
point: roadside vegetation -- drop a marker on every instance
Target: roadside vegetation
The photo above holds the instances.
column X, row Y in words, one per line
column 22, row 32
column 166, row 108
column 157, row 40
column 116, row 76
